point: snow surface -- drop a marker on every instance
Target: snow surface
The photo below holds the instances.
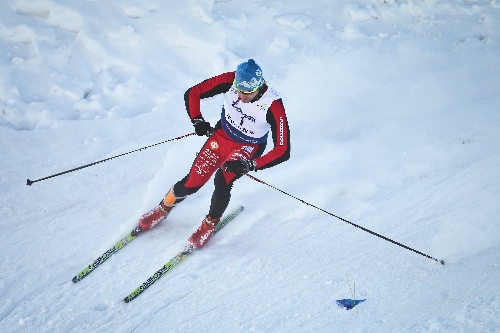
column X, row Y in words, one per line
column 394, row 114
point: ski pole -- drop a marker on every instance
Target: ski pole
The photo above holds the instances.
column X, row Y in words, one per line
column 346, row 221
column 30, row 182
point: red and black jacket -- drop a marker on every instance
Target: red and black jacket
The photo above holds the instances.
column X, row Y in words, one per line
column 276, row 116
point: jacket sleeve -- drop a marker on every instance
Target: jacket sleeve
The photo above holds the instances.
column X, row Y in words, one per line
column 276, row 117
column 210, row 87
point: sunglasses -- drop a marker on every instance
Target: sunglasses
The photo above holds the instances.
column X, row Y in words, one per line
column 244, row 92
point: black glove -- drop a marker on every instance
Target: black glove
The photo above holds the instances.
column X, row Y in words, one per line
column 240, row 167
column 202, row 127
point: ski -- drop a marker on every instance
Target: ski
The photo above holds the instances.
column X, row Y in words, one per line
column 188, row 249
column 106, row 255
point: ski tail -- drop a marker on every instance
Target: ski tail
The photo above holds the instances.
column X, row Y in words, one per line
column 225, row 220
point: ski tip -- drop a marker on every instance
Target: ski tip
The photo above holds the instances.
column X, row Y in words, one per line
column 126, row 299
column 75, row 279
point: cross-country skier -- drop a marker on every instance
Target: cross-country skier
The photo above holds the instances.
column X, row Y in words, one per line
column 235, row 145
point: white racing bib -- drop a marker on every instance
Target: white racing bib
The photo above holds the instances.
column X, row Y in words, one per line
column 246, row 122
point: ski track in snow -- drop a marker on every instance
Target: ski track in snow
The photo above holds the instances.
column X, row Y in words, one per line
column 393, row 110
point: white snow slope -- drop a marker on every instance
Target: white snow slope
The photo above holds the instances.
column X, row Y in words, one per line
column 394, row 111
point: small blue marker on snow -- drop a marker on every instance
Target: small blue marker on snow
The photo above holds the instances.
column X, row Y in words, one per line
column 348, row 304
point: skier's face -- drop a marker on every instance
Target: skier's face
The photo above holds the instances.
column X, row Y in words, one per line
column 245, row 97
